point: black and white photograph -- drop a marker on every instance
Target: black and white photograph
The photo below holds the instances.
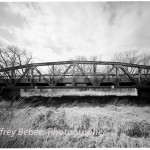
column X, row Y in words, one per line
column 75, row 74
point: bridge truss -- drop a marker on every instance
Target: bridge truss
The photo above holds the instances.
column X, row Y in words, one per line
column 75, row 74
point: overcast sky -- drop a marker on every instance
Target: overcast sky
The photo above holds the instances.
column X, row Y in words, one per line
column 62, row 30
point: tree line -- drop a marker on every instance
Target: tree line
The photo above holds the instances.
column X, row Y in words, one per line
column 11, row 56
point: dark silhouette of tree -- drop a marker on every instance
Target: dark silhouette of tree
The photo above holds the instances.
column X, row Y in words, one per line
column 11, row 56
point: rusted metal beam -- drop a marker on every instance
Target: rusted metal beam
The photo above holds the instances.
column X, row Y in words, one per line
column 91, row 77
column 43, row 76
column 12, row 76
column 139, row 75
column 94, row 69
column 53, row 74
column 88, row 74
column 128, row 74
column 106, row 75
column 73, row 76
column 117, row 75
column 63, row 74
column 77, row 62
column 32, row 76
column 95, row 74
column 71, row 87
column 22, row 76
column 84, row 74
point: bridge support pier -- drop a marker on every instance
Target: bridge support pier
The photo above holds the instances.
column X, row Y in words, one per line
column 10, row 94
column 144, row 93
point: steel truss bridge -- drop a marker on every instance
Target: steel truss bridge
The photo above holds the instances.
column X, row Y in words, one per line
column 75, row 74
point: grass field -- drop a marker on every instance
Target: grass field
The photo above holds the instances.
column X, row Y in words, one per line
column 76, row 124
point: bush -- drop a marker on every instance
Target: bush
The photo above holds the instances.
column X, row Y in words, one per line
column 136, row 129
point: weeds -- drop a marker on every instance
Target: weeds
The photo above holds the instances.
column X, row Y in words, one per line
column 113, row 125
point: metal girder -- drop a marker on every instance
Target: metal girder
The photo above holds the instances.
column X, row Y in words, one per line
column 84, row 74
column 32, row 76
column 12, row 76
column 139, row 75
column 42, row 76
column 73, row 76
column 128, row 74
column 77, row 62
column 63, row 74
column 117, row 75
column 71, row 87
column 28, row 69
column 106, row 75
column 52, row 74
column 92, row 76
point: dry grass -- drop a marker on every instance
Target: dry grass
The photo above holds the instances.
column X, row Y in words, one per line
column 114, row 125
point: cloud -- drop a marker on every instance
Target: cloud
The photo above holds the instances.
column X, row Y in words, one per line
column 60, row 30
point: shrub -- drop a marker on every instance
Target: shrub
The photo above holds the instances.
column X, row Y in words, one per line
column 136, row 128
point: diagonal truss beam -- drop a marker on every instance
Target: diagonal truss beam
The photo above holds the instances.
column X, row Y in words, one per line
column 63, row 74
column 128, row 74
column 42, row 76
column 73, row 76
column 117, row 75
column 28, row 69
column 84, row 74
column 139, row 75
column 106, row 75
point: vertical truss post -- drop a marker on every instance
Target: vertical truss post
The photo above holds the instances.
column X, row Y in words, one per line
column 32, row 76
column 12, row 76
column 94, row 69
column 139, row 75
column 73, row 76
column 94, row 73
column 40, row 78
column 146, row 73
column 53, row 74
column 117, row 75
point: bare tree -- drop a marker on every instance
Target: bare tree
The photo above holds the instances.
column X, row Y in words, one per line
column 88, row 68
column 11, row 56
column 132, row 57
column 145, row 60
